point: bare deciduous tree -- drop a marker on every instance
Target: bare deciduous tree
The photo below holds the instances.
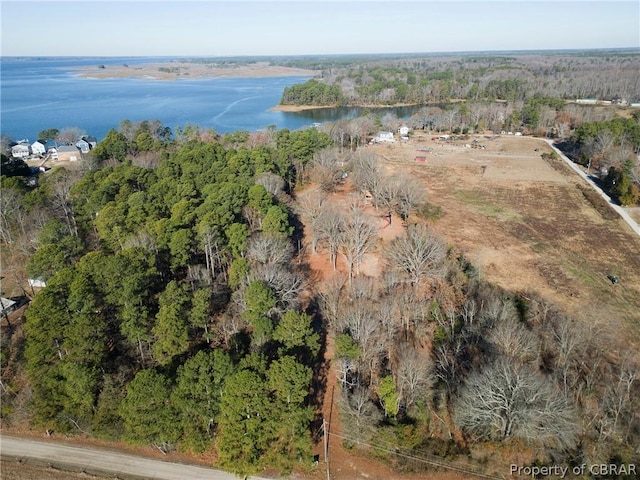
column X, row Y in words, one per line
column 331, row 229
column 366, row 173
column 286, row 284
column 360, row 413
column 418, row 254
column 61, row 183
column 326, row 170
column 507, row 400
column 330, row 294
column 264, row 249
column 272, row 183
column 70, row 135
column 361, row 323
column 414, row 376
column 358, row 239
column 12, row 214
column 513, row 340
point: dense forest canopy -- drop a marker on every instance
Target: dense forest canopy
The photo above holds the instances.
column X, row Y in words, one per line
column 138, row 260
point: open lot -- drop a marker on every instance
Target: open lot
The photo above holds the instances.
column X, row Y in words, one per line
column 528, row 223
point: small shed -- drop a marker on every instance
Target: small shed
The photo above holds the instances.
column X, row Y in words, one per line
column 38, row 282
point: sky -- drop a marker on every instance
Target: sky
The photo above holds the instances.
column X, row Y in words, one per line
column 301, row 27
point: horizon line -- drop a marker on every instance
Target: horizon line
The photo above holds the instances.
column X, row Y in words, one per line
column 353, row 54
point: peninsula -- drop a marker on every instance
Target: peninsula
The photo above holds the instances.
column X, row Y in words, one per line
column 190, row 70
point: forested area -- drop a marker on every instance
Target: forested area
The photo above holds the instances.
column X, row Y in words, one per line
column 139, row 261
column 439, row 79
column 312, row 92
column 180, row 312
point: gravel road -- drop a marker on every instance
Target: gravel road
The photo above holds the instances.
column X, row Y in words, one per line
column 105, row 462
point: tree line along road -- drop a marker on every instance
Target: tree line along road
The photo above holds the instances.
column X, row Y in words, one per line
column 104, row 462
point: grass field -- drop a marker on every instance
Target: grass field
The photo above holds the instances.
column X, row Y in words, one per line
column 530, row 224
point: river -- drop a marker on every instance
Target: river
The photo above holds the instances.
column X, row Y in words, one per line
column 42, row 93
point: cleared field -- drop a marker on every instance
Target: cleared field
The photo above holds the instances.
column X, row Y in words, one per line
column 529, row 224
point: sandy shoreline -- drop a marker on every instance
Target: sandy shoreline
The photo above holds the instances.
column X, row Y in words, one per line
column 299, row 108
column 189, row 70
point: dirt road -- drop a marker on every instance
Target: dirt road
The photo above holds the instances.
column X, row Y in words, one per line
column 104, row 462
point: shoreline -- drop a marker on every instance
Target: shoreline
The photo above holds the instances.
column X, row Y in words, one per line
column 165, row 71
column 299, row 108
column 302, row 108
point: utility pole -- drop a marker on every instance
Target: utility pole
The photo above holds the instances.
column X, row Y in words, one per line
column 325, row 436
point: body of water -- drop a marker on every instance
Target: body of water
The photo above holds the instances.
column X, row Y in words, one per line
column 41, row 93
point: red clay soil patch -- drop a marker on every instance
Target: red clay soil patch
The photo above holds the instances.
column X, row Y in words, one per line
column 343, row 463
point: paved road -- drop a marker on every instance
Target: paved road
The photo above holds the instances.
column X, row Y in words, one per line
column 625, row 216
column 104, row 462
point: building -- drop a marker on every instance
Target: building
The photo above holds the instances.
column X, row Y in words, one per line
column 39, row 147
column 37, row 282
column 7, row 306
column 92, row 141
column 83, row 146
column 68, row 153
column 403, row 131
column 21, row 150
column 382, row 137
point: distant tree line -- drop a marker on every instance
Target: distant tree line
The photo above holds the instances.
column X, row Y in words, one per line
column 428, row 79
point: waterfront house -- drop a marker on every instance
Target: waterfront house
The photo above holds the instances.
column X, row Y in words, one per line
column 92, row 141
column 83, row 146
column 39, row 147
column 50, row 147
column 69, row 153
column 21, row 150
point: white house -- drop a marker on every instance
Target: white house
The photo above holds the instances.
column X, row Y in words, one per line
column 403, row 131
column 384, row 137
column 21, row 150
column 83, row 146
column 39, row 147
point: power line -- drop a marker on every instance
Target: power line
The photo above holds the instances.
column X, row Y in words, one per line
column 437, row 463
